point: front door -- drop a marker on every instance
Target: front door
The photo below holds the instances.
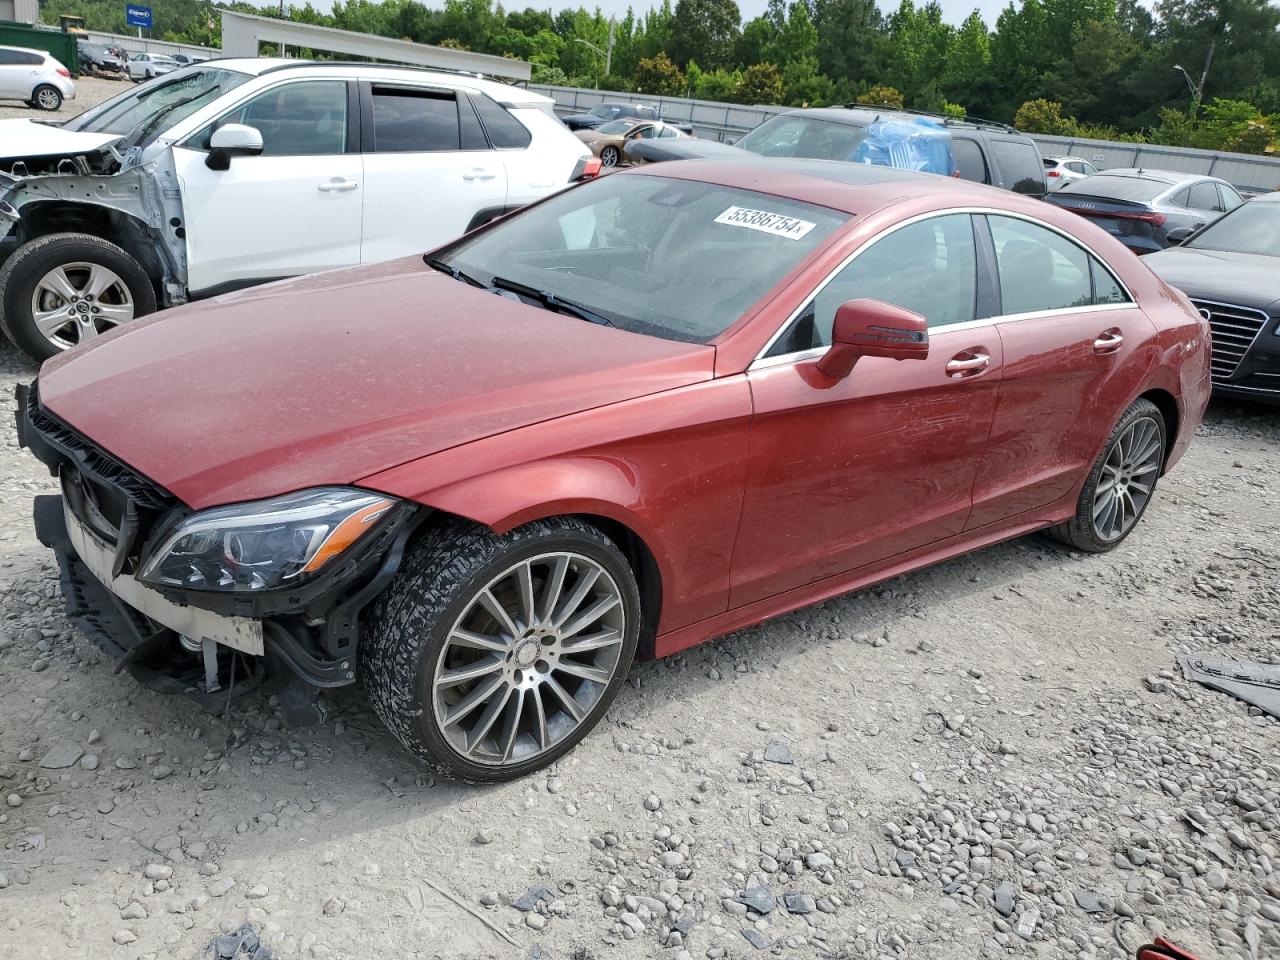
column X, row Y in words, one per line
column 1075, row 346
column 429, row 170
column 295, row 209
column 847, row 474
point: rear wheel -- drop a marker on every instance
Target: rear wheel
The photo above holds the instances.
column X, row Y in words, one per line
column 61, row 290
column 47, row 97
column 609, row 157
column 1121, row 484
column 494, row 655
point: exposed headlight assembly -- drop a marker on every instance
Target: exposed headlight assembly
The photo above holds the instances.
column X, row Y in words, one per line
column 266, row 544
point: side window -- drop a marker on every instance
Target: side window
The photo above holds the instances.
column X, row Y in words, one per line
column 296, row 120
column 969, row 160
column 1230, row 199
column 669, row 132
column 928, row 267
column 1204, row 196
column 1179, row 199
column 1039, row 269
column 1019, row 163
column 1089, row 169
column 505, row 131
column 8, row 57
column 413, row 121
column 1075, row 166
column 1105, row 287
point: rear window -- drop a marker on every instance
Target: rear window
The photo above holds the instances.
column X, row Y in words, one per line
column 970, row 163
column 806, row 137
column 1111, row 186
column 1019, row 163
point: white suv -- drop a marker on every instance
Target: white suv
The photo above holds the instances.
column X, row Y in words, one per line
column 35, row 77
column 236, row 172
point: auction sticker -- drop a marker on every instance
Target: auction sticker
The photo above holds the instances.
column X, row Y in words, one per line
column 766, row 222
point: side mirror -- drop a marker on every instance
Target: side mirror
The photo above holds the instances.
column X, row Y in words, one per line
column 873, row 328
column 232, row 140
column 1179, row 235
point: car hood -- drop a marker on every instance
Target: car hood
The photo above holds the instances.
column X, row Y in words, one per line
column 20, row 139
column 1247, row 279
column 333, row 378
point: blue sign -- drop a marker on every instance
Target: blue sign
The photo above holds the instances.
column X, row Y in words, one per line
column 137, row 16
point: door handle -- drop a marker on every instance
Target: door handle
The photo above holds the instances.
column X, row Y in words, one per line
column 972, row 363
column 478, row 174
column 337, row 185
column 1109, row 341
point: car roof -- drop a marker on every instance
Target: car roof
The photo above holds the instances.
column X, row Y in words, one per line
column 502, row 92
column 43, row 53
column 855, row 188
column 1146, row 173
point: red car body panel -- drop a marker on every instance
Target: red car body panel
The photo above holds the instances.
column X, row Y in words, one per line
column 755, row 490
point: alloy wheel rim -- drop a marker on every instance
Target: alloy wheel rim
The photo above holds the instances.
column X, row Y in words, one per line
column 608, row 157
column 48, row 99
column 529, row 658
column 76, row 302
column 1127, row 479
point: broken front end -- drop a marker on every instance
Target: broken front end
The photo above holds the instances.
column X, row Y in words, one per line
column 209, row 604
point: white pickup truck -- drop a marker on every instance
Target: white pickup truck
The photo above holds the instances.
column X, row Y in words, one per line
column 232, row 173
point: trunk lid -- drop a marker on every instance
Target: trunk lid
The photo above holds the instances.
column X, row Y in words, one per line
column 1120, row 218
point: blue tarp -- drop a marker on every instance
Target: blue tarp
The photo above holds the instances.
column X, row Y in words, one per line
column 909, row 144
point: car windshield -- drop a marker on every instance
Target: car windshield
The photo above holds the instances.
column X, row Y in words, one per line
column 676, row 259
column 140, row 107
column 93, row 49
column 606, row 110
column 806, row 137
column 615, row 126
column 1112, row 187
column 1251, row 228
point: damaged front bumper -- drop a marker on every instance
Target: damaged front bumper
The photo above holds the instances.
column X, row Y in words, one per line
column 204, row 645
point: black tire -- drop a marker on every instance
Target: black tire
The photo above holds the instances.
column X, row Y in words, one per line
column 610, row 157
column 46, row 97
column 410, row 622
column 1081, row 531
column 23, row 271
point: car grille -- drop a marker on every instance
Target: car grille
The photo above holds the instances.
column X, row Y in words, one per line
column 1234, row 330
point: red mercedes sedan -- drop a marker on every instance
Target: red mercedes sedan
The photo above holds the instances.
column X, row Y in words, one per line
column 642, row 413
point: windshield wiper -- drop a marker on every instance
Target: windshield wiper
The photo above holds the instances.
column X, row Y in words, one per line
column 551, row 301
column 145, row 127
column 444, row 266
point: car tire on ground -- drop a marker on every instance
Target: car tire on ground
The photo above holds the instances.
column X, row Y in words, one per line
column 609, row 157
column 1121, row 484
column 47, row 97
column 62, row 289
column 493, row 655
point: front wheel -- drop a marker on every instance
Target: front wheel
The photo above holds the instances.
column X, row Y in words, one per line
column 1121, row 484
column 47, row 97
column 609, row 157
column 494, row 655
column 60, row 290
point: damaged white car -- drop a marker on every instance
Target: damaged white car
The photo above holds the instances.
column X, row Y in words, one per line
column 236, row 172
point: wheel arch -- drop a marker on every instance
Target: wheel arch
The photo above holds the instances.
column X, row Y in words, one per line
column 41, row 217
column 1167, row 404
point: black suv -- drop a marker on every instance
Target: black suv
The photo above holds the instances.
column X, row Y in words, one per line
column 98, row 59
column 984, row 151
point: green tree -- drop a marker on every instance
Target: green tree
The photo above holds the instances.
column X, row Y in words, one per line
column 705, row 31
column 847, row 32
column 880, row 96
column 916, row 51
column 1043, row 116
column 761, row 83
column 659, row 76
column 804, row 85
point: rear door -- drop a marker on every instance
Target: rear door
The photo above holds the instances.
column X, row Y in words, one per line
column 19, row 73
column 1018, row 161
column 295, row 209
column 1075, row 347
column 428, row 169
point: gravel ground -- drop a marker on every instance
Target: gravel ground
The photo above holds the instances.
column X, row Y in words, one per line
column 90, row 91
column 992, row 757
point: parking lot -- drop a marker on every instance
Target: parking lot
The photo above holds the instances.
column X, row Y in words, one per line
column 89, row 92
column 992, row 757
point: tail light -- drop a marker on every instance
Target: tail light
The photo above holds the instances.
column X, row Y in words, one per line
column 1052, row 173
column 588, row 168
column 64, row 72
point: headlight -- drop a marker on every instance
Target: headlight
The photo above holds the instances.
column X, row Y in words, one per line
column 259, row 546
